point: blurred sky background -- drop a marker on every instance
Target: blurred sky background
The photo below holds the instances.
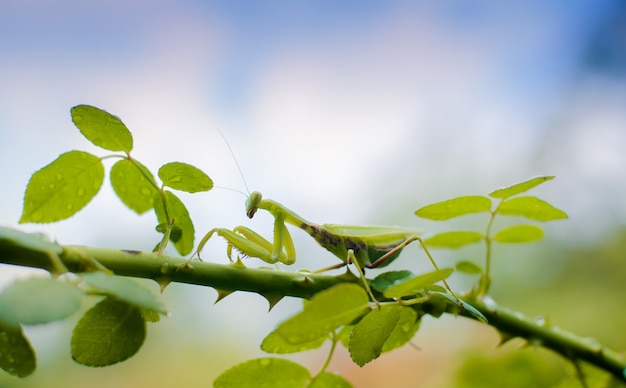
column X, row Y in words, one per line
column 354, row 112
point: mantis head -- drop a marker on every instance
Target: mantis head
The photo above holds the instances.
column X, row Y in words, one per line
column 252, row 203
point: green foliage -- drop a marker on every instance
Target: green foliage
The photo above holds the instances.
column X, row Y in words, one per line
column 35, row 301
column 102, row 128
column 416, row 284
column 264, row 372
column 124, row 290
column 171, row 211
column 62, row 188
column 110, row 332
column 184, row 177
column 455, row 207
column 327, row 311
column 134, row 185
column 65, row 186
column 16, row 355
column 370, row 334
column 509, row 204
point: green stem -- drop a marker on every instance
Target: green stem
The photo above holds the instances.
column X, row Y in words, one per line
column 228, row 277
column 485, row 282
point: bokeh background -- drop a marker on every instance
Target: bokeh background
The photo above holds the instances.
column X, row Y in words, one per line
column 354, row 112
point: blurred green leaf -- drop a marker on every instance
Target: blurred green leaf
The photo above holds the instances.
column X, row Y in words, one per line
column 110, row 332
column 417, row 283
column 371, row 333
column 531, row 207
column 519, row 234
column 454, row 239
column 62, row 188
column 33, row 241
column 329, row 380
column 177, row 211
column 388, row 279
column 132, row 186
column 264, row 372
column 124, row 289
column 102, row 128
column 455, row 207
column 275, row 342
column 468, row 267
column 34, row 301
column 519, row 188
column 17, row 356
column 185, row 177
column 327, row 311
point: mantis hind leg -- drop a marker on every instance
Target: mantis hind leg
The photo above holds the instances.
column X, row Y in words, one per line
column 398, row 248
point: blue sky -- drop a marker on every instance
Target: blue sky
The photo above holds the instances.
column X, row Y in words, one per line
column 333, row 108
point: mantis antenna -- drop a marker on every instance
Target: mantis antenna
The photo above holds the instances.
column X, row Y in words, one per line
column 243, row 178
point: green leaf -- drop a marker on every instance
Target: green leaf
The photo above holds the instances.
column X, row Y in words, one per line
column 519, row 188
column 468, row 267
column 264, row 373
column 455, row 207
column 519, row 234
column 35, row 301
column 274, row 342
column 110, row 332
column 17, row 356
column 327, row 310
column 405, row 329
column 102, row 128
column 62, row 188
column 388, row 279
column 416, row 284
column 136, row 189
column 453, row 240
column 123, row 289
column 185, row 177
column 182, row 221
column 329, row 380
column 531, row 207
column 371, row 333
column 11, row 238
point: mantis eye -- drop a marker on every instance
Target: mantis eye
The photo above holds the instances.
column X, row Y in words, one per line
column 252, row 203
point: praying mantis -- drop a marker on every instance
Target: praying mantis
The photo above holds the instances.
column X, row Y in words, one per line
column 363, row 246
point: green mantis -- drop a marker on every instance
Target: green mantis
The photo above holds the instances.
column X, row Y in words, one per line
column 365, row 246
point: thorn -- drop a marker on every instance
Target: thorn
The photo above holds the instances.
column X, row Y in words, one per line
column 221, row 294
column 273, row 298
column 163, row 282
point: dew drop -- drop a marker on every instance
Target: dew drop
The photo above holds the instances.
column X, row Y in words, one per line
column 165, row 268
column 78, row 118
column 69, row 206
column 265, row 362
column 52, row 186
column 406, row 327
column 146, row 191
column 81, row 192
column 60, row 177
